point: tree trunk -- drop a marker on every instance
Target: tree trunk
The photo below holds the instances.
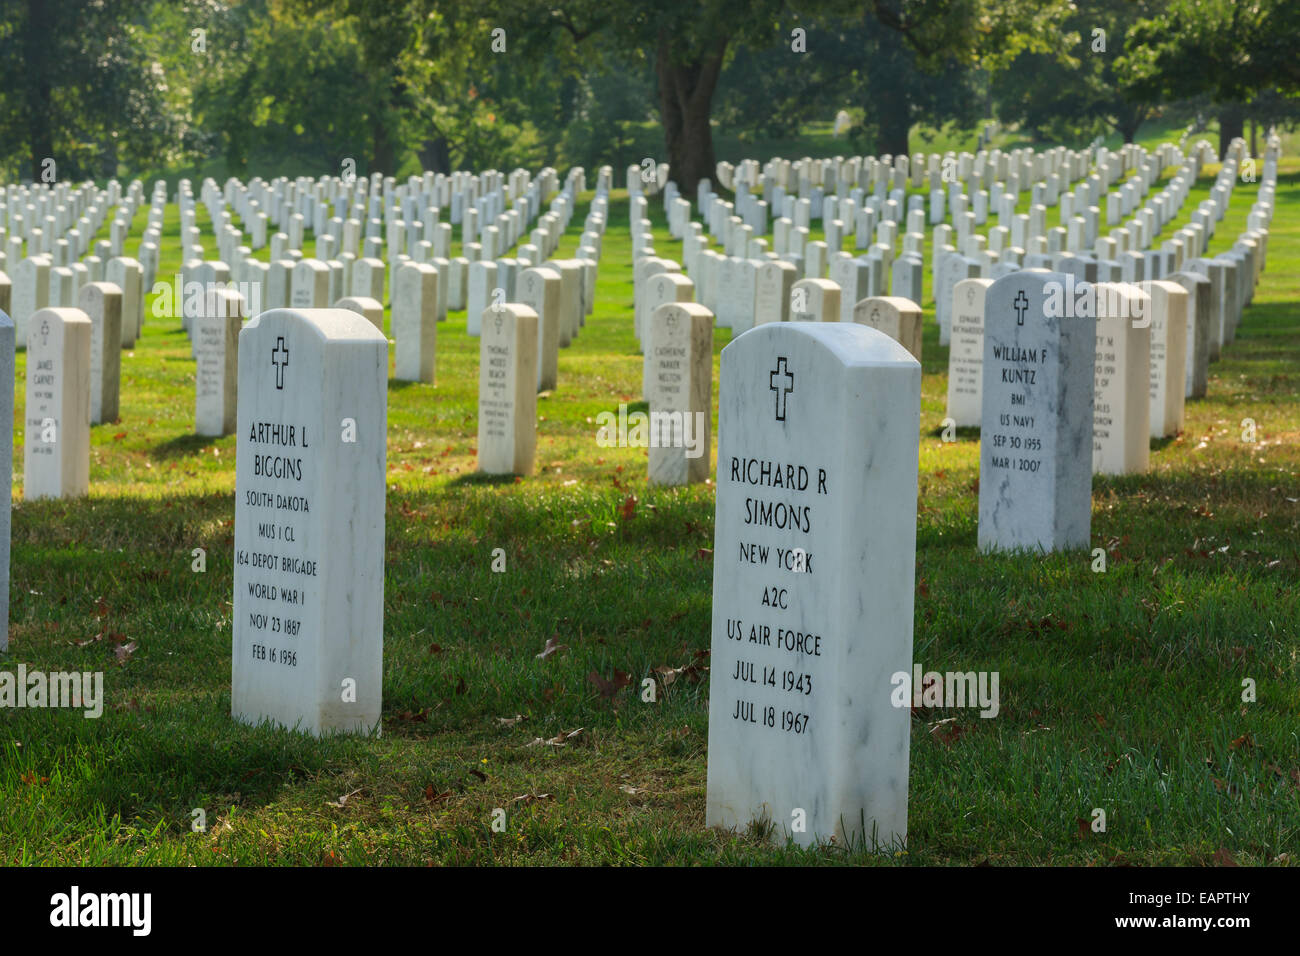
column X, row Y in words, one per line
column 685, row 108
column 383, row 156
column 894, row 120
column 435, row 154
column 1253, row 151
column 37, row 61
column 1231, row 125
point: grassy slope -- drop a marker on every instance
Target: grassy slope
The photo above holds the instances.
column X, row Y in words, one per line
column 1118, row 690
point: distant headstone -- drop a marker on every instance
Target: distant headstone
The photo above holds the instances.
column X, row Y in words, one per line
column 1122, row 401
column 56, row 459
column 966, row 353
column 1168, row 356
column 1198, row 290
column 102, row 303
column 480, row 293
column 679, row 390
column 815, row 300
column 216, row 354
column 539, row 289
column 897, row 317
column 570, row 298
column 660, row 289
column 507, row 390
column 415, row 322
column 369, row 309
column 6, row 466
column 125, row 273
column 775, row 282
column 311, row 285
column 368, row 279
column 31, row 279
column 818, row 430
column 953, row 268
column 308, row 617
column 908, row 272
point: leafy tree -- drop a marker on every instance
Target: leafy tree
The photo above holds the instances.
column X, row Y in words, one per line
column 848, row 61
column 1233, row 51
column 78, row 88
column 1074, row 92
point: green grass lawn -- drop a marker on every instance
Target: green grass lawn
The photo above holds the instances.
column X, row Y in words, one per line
column 1119, row 690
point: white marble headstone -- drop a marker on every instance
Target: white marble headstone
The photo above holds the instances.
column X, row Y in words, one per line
column 415, row 322
column 1122, row 404
column 1035, row 487
column 1169, row 303
column 102, row 303
column 679, row 390
column 309, row 521
column 813, row 583
column 539, row 289
column 56, row 459
column 216, row 354
column 1198, row 288
column 6, row 467
column 966, row 353
column 507, row 390
column 897, row 317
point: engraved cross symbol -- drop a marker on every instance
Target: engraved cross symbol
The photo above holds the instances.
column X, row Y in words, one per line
column 279, row 358
column 1021, row 305
column 786, row 378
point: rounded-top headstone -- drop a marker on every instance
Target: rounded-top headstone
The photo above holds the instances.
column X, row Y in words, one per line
column 309, row 521
column 818, row 432
column 1036, row 430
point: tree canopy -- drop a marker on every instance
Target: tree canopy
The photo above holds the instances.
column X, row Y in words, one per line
column 131, row 87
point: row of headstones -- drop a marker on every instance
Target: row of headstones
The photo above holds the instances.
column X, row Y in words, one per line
column 419, row 289
column 557, row 292
column 214, row 318
column 38, row 285
column 989, row 263
column 794, row 246
column 349, row 210
column 792, row 238
column 803, row 478
column 58, row 207
column 1125, row 255
column 342, row 257
column 800, row 470
column 216, row 315
column 781, row 680
column 743, row 293
column 1027, row 233
column 60, row 220
column 815, row 179
column 345, row 275
column 377, row 200
column 783, row 500
column 1007, row 174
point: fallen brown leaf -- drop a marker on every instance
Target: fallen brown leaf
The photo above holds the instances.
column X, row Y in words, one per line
column 608, row 688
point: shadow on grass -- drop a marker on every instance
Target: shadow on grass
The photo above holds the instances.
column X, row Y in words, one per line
column 479, row 478
column 183, row 446
column 970, row 432
column 402, row 385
